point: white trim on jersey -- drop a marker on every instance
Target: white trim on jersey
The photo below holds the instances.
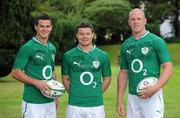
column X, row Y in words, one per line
column 141, row 36
column 39, row 41
column 94, row 46
column 144, row 34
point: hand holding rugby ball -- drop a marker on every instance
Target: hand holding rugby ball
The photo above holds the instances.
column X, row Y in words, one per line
column 150, row 81
column 56, row 89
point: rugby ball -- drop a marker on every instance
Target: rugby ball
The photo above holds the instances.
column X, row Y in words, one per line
column 150, row 81
column 56, row 89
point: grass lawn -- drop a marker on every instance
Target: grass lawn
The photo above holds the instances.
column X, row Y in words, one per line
column 11, row 90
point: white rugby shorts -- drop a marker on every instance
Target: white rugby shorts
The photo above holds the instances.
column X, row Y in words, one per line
column 85, row 112
column 45, row 110
column 145, row 108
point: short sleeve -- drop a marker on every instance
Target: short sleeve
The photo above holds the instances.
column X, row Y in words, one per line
column 162, row 51
column 106, row 70
column 65, row 65
column 22, row 57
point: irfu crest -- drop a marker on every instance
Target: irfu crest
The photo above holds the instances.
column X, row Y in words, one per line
column 96, row 64
column 145, row 50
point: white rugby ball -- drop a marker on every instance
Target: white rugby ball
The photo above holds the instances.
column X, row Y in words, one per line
column 56, row 89
column 150, row 81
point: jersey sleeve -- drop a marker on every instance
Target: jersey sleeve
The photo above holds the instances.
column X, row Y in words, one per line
column 65, row 65
column 123, row 61
column 22, row 57
column 162, row 51
column 106, row 69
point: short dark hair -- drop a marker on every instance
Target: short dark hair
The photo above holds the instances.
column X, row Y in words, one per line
column 42, row 16
column 84, row 25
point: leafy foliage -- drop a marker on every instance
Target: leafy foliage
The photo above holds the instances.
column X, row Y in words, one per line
column 15, row 29
column 108, row 16
column 15, row 22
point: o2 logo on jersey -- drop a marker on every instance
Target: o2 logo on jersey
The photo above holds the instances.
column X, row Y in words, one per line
column 91, row 78
column 140, row 65
column 47, row 72
column 139, row 68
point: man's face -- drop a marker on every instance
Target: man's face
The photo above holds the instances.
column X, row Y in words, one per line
column 43, row 29
column 85, row 36
column 137, row 21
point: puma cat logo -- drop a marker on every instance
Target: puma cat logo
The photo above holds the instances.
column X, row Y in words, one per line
column 76, row 63
column 40, row 57
column 128, row 51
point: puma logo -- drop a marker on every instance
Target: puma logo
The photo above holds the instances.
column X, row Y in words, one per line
column 40, row 57
column 129, row 52
column 77, row 63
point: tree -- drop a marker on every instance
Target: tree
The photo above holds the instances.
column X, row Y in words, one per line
column 15, row 28
column 109, row 18
column 176, row 12
column 15, row 22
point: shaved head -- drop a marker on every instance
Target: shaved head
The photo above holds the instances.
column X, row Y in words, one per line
column 137, row 10
column 137, row 22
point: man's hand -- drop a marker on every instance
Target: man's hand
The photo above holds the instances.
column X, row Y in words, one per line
column 120, row 110
column 42, row 85
column 147, row 92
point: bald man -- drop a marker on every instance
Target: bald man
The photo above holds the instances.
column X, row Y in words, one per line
column 142, row 56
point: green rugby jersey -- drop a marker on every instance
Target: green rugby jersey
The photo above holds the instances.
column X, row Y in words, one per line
column 142, row 58
column 37, row 61
column 85, row 70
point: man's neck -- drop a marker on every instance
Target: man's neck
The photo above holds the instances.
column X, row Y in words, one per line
column 42, row 40
column 139, row 34
column 86, row 48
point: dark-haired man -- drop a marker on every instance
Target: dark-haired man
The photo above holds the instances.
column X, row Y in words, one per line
column 86, row 75
column 35, row 63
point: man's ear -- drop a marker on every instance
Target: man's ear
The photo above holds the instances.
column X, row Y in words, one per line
column 145, row 21
column 128, row 22
column 35, row 27
column 93, row 34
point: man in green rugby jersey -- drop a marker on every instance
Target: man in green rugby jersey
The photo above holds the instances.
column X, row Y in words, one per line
column 86, row 74
column 33, row 65
column 142, row 56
